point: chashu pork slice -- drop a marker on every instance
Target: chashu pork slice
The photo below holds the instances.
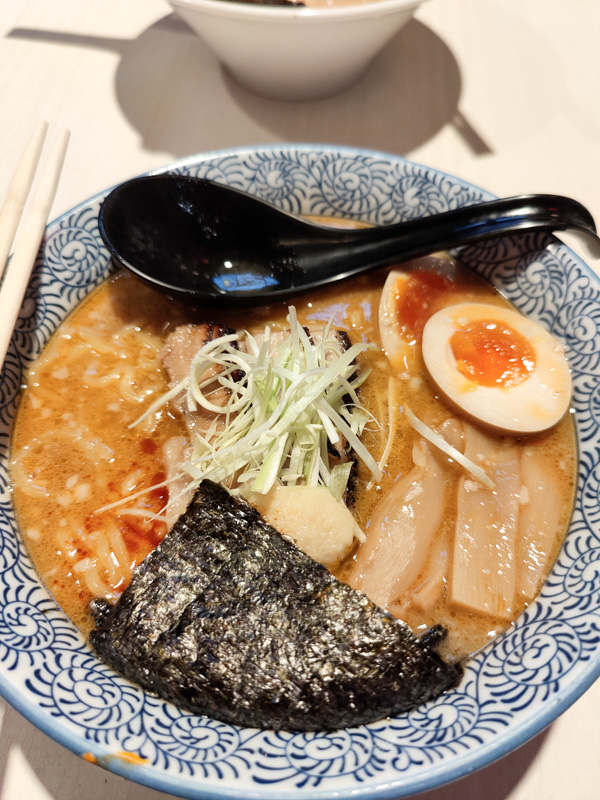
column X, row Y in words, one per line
column 229, row 619
column 176, row 356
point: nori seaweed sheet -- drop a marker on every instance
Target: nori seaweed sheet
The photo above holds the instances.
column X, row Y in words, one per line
column 228, row 618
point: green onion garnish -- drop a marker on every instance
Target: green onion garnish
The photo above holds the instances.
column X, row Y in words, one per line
column 293, row 398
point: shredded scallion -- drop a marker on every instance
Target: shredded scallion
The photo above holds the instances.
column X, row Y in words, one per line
column 294, row 398
column 438, row 441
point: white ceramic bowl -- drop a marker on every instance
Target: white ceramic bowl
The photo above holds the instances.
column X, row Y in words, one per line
column 295, row 53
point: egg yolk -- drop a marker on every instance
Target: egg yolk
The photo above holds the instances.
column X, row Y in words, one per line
column 490, row 353
column 417, row 299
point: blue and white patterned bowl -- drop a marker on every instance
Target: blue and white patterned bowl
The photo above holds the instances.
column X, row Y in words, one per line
column 509, row 692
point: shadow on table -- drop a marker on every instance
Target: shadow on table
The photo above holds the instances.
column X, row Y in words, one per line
column 64, row 776
column 168, row 84
column 409, row 93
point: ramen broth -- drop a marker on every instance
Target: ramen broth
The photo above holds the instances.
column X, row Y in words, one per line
column 74, row 451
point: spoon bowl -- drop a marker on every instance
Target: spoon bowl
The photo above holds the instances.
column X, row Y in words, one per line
column 201, row 241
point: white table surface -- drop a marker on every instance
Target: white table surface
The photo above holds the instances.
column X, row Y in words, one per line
column 504, row 93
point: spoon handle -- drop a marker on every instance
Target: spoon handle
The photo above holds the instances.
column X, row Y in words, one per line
column 369, row 248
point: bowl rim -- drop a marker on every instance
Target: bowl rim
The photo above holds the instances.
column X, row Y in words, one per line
column 240, row 9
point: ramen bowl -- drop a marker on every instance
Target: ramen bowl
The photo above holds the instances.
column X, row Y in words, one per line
column 295, row 52
column 510, row 690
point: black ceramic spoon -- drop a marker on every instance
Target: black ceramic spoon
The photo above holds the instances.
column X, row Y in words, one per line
column 203, row 242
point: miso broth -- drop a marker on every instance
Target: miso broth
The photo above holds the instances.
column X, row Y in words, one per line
column 74, row 452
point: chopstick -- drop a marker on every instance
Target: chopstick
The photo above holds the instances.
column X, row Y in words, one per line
column 31, row 230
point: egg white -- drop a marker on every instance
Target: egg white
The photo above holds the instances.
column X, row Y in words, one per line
column 534, row 405
column 398, row 349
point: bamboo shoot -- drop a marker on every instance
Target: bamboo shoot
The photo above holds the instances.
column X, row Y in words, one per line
column 539, row 522
column 483, row 567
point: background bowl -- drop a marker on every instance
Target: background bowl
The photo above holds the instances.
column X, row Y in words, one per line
column 510, row 691
column 295, row 53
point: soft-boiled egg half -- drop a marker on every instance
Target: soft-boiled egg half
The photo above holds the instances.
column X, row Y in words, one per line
column 499, row 367
column 409, row 296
